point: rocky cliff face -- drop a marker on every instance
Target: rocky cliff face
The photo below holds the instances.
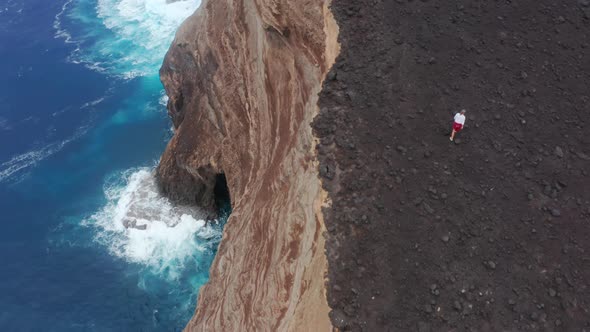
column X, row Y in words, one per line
column 243, row 78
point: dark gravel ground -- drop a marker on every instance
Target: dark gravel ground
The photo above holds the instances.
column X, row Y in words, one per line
column 491, row 233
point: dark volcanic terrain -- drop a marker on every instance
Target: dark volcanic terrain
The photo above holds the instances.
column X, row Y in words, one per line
column 491, row 233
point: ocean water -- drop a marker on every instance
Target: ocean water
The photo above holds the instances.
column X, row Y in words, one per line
column 82, row 125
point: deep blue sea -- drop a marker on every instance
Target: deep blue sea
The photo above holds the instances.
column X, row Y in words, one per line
column 82, row 125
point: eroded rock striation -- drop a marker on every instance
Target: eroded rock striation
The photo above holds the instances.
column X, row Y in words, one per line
column 243, row 78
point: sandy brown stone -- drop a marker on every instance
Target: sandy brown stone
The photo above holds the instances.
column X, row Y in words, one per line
column 243, row 77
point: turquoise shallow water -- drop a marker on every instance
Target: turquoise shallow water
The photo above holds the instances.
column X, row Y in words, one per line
column 82, row 125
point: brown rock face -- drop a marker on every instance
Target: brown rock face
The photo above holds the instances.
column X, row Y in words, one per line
column 243, row 78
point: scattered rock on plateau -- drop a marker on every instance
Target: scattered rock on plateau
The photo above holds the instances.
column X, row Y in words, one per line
column 490, row 265
column 558, row 152
column 423, row 327
column 338, row 318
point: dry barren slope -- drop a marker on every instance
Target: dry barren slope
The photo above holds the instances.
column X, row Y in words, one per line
column 491, row 233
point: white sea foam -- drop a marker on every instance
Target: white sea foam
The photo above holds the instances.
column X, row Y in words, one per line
column 173, row 236
column 142, row 31
column 88, row 104
column 92, row 103
column 31, row 158
column 4, row 125
column 57, row 24
column 163, row 98
column 11, row 6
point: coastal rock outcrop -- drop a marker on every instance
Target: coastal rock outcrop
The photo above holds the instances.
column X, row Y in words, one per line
column 243, row 78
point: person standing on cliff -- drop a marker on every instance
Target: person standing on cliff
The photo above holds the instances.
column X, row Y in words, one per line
column 458, row 124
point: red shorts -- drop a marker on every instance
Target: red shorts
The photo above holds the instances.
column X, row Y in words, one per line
column 457, row 126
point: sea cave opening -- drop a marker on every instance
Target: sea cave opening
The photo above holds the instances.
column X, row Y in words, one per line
column 222, row 195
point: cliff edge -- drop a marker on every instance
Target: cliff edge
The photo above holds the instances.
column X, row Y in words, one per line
column 243, row 78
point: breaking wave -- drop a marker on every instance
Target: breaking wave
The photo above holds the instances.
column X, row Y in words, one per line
column 125, row 38
column 140, row 226
column 132, row 221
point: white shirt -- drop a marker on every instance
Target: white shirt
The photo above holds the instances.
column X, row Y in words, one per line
column 460, row 118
